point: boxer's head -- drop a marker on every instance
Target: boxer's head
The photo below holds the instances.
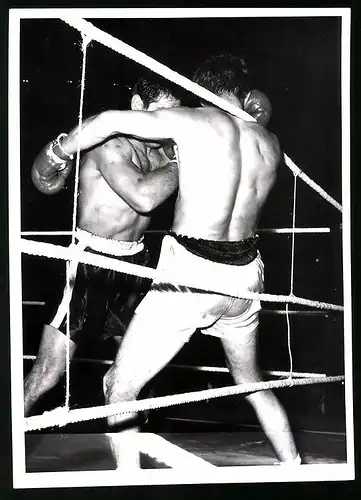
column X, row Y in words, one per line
column 155, row 93
column 151, row 94
column 225, row 75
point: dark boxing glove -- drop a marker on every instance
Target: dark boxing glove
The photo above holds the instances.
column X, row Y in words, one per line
column 51, row 168
column 257, row 104
column 170, row 148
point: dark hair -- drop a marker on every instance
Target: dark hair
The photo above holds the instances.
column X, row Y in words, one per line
column 224, row 74
column 151, row 90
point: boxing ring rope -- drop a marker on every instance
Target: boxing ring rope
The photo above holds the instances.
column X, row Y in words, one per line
column 126, row 50
column 291, row 312
column 33, row 303
column 61, row 416
column 275, row 312
column 277, row 230
column 207, row 283
column 223, row 369
column 85, row 41
column 289, row 347
column 296, row 230
column 208, row 369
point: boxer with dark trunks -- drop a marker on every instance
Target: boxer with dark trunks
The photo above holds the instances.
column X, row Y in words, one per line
column 102, row 302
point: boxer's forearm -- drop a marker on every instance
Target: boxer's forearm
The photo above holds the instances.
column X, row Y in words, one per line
column 157, row 186
column 143, row 192
column 94, row 130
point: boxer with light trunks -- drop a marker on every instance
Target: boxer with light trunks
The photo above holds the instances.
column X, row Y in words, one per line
column 102, row 301
column 227, row 168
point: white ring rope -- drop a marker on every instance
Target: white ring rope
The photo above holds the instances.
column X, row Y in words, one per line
column 275, row 312
column 85, row 41
column 272, row 373
column 33, row 303
column 209, row 369
column 208, row 282
column 296, row 230
column 293, row 235
column 277, row 230
column 61, row 416
column 294, row 312
column 126, row 50
column 289, row 347
column 46, row 233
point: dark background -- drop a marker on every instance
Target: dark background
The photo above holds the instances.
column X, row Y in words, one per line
column 296, row 62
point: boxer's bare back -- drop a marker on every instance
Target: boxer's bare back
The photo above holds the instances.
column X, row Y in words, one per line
column 227, row 166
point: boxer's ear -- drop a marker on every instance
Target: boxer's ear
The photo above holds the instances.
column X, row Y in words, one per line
column 137, row 103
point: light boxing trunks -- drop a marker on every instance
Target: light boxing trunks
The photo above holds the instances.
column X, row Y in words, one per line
column 182, row 310
column 101, row 301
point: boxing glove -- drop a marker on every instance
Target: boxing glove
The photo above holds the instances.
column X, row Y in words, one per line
column 169, row 148
column 51, row 168
column 257, row 104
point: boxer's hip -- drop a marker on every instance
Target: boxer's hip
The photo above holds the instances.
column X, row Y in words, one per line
column 194, row 306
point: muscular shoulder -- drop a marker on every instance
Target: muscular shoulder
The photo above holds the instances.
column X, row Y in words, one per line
column 208, row 123
column 270, row 144
column 114, row 149
column 183, row 119
column 214, row 117
column 264, row 139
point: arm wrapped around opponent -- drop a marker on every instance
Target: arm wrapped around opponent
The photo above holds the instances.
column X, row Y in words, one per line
column 51, row 167
column 53, row 164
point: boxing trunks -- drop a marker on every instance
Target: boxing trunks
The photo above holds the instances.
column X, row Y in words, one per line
column 101, row 301
column 181, row 310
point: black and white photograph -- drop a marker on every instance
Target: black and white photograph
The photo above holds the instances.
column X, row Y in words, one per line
column 179, row 235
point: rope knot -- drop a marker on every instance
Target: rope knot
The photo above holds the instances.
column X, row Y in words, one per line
column 86, row 40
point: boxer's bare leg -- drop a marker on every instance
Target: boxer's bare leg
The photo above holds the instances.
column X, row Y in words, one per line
column 49, row 366
column 147, row 347
column 242, row 362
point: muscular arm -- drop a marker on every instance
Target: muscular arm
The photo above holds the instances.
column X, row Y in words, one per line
column 143, row 192
column 50, row 168
column 159, row 124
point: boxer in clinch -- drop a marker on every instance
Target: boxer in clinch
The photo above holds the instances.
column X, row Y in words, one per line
column 227, row 168
column 102, row 301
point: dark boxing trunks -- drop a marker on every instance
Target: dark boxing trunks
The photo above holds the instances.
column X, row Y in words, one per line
column 103, row 301
column 237, row 253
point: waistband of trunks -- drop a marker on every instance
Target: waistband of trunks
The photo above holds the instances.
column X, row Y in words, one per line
column 237, row 253
column 118, row 248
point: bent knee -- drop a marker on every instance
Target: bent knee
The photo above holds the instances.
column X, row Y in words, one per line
column 51, row 380
column 119, row 388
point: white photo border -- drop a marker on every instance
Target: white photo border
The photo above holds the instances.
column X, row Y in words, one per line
column 22, row 479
